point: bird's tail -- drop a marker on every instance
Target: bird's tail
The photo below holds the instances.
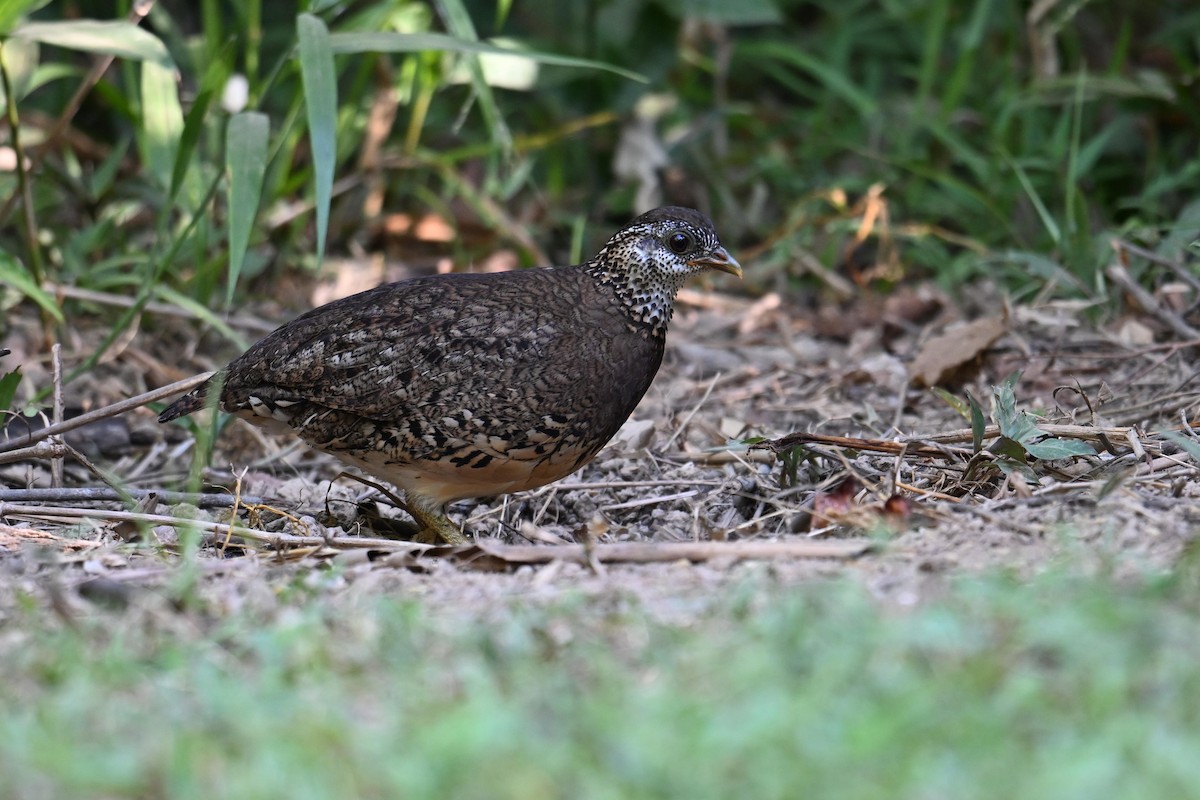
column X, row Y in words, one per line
column 191, row 402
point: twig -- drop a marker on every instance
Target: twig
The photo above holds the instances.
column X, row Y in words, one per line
column 1050, row 429
column 113, row 410
column 652, row 552
column 1120, row 276
column 216, row 528
column 692, row 413
column 95, row 495
column 637, row 552
column 56, row 463
column 567, row 487
column 908, row 445
column 648, row 501
column 1182, row 272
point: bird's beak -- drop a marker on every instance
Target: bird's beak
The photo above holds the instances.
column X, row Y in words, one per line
column 719, row 259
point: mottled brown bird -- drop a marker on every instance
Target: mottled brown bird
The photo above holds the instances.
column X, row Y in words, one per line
column 467, row 385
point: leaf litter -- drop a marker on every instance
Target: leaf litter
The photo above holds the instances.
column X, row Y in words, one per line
column 767, row 441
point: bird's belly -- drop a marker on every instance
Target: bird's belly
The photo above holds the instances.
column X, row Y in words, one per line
column 444, row 482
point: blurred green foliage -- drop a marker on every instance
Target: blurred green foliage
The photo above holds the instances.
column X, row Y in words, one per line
column 958, row 139
column 1061, row 686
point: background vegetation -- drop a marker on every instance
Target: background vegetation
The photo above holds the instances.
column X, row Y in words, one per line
column 886, row 138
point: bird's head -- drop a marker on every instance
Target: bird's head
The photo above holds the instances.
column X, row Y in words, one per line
column 647, row 261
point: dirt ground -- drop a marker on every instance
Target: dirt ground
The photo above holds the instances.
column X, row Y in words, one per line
column 737, row 369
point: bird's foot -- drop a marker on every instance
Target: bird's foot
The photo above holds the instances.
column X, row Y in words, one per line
column 436, row 527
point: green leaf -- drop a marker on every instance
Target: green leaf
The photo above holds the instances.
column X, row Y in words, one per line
column 20, row 57
column 1009, row 466
column 723, row 12
column 957, row 403
column 13, row 273
column 162, row 121
column 1008, row 448
column 978, row 423
column 370, row 42
column 1043, row 213
column 201, row 312
column 834, row 80
column 193, row 126
column 246, row 160
column 1054, row 447
column 8, row 388
column 1005, row 413
column 320, row 101
column 1188, row 443
column 458, row 21
column 111, row 37
column 13, row 10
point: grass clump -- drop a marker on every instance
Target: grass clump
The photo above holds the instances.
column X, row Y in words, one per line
column 1067, row 686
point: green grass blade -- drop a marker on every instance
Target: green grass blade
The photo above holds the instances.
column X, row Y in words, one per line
column 320, row 100
column 201, row 312
column 20, row 57
column 832, row 79
column 246, row 161
column 162, row 121
column 1043, row 213
column 193, row 126
column 112, row 37
column 458, row 20
column 370, row 42
column 9, row 381
column 14, row 274
column 12, row 10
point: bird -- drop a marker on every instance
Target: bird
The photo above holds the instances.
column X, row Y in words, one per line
column 464, row 385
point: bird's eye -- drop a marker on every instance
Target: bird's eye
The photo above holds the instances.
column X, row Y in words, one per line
column 679, row 242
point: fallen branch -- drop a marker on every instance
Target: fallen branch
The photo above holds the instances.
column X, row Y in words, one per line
column 1120, row 276
column 909, row 446
column 471, row 555
column 120, row 407
column 509, row 555
column 95, row 495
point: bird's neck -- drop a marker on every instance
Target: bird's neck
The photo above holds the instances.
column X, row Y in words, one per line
column 644, row 293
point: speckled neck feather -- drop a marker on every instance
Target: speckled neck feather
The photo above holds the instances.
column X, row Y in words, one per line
column 646, row 276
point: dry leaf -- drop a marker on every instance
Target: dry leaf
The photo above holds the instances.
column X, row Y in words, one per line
column 957, row 346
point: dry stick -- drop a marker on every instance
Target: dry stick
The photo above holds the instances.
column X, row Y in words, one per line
column 566, row 487
column 638, row 552
column 1182, row 272
column 56, row 463
column 94, row 495
column 992, row 431
column 1120, row 276
column 650, row 552
column 113, row 410
column 215, row 528
column 871, row 445
column 55, row 449
column 687, row 420
column 648, row 501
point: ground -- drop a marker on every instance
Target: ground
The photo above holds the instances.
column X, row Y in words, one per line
column 885, row 616
column 737, row 370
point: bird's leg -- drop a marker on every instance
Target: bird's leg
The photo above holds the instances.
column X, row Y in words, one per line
column 436, row 527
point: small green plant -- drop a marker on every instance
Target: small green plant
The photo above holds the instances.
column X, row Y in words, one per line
column 1021, row 442
column 8, row 384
